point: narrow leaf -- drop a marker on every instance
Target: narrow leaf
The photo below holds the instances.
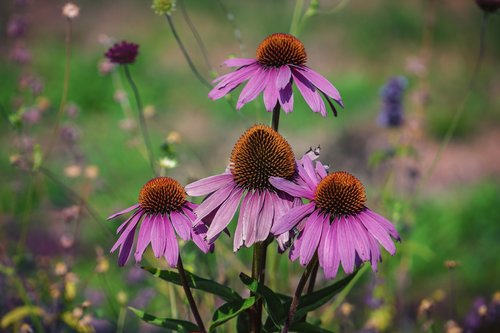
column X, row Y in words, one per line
column 272, row 302
column 230, row 310
column 197, row 282
column 173, row 324
column 320, row 297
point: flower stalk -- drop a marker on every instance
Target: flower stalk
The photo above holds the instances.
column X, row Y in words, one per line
column 189, row 295
column 142, row 120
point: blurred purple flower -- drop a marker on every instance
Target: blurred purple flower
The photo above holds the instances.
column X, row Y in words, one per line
column 280, row 61
column 123, row 53
column 260, row 153
column 391, row 112
column 16, row 27
column 69, row 134
column 20, row 54
column 144, row 296
column 476, row 315
column 335, row 222
column 164, row 211
column 31, row 116
column 72, row 110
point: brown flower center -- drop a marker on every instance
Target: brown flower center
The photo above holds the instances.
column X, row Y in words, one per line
column 340, row 193
column 281, row 49
column 162, row 195
column 259, row 154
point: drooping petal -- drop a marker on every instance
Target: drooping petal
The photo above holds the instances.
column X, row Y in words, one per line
column 323, row 260
column 265, row 219
column 378, row 232
column 224, row 214
column 139, row 212
column 134, row 219
column 126, row 210
column 362, row 243
column 213, row 201
column 321, row 83
column 181, row 224
column 286, row 98
column 158, row 234
column 239, row 62
column 283, row 78
column 144, row 237
column 384, row 222
column 232, row 80
column 126, row 248
column 331, row 253
column 312, row 235
column 291, row 188
column 296, row 246
column 308, row 91
column 208, row 185
column 346, row 246
column 253, row 88
column 290, row 220
column 271, row 92
column 254, row 208
column 171, row 251
column 242, row 223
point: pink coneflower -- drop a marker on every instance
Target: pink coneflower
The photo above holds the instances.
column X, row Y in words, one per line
column 335, row 223
column 259, row 154
column 162, row 208
column 281, row 60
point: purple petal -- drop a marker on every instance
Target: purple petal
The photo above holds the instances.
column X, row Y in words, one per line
column 283, row 78
column 253, row 88
column 308, row 91
column 229, row 82
column 361, row 241
column 144, row 237
column 181, row 224
column 346, row 246
column 254, row 208
column 265, row 219
column 271, row 92
column 126, row 249
column 291, row 188
column 378, row 232
column 213, row 201
column 321, row 83
column 171, row 251
column 124, row 224
column 130, row 228
column 310, row 171
column 376, row 256
column 242, row 223
column 200, row 241
column 323, row 260
column 332, row 257
column 224, row 214
column 320, row 170
column 290, row 220
column 308, row 182
column 158, row 234
column 208, row 185
column 238, row 62
column 126, row 210
column 286, row 98
column 385, row 223
column 296, row 246
column 312, row 235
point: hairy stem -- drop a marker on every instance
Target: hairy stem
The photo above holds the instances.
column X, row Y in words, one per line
column 189, row 295
column 186, row 54
column 298, row 293
column 142, row 120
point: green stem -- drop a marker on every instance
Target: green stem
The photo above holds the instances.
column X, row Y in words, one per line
column 189, row 295
column 186, row 54
column 276, row 117
column 142, row 120
column 298, row 293
column 297, row 11
column 258, row 273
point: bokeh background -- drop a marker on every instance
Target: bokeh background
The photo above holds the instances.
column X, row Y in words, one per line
column 444, row 199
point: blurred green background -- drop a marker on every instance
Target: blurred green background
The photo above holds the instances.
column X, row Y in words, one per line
column 451, row 215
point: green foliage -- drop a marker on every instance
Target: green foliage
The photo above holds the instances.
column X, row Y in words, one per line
column 177, row 325
column 230, row 310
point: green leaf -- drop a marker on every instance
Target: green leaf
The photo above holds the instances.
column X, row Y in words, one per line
column 304, row 327
column 37, row 157
column 320, row 297
column 272, row 302
column 197, row 282
column 230, row 310
column 173, row 324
